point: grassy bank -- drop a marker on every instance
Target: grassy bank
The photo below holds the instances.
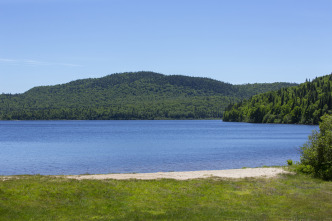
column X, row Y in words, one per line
column 50, row 198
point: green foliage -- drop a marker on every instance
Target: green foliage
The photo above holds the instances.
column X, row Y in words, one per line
column 290, row 162
column 302, row 104
column 141, row 95
column 316, row 155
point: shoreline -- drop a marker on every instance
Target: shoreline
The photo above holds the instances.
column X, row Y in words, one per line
column 266, row 172
column 187, row 175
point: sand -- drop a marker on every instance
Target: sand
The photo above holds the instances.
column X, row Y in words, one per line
column 234, row 173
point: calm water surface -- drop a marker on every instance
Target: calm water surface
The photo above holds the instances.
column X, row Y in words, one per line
column 78, row 147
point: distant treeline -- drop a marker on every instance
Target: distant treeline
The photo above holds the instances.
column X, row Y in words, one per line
column 198, row 108
column 303, row 104
column 141, row 95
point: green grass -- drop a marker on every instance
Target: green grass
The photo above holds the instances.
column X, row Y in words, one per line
column 291, row 197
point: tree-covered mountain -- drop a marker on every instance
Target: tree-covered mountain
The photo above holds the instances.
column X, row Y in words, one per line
column 303, row 104
column 140, row 95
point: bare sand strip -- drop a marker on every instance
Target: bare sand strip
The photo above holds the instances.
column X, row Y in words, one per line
column 234, row 173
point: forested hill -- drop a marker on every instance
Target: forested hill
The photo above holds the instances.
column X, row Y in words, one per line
column 140, row 95
column 303, row 104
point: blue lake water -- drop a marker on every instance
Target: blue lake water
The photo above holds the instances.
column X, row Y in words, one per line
column 78, row 147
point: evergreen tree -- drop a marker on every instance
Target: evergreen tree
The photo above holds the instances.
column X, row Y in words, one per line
column 302, row 104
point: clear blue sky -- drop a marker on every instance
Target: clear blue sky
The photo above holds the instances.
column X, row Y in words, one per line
column 46, row 42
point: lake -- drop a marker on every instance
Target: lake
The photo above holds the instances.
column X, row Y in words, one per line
column 79, row 147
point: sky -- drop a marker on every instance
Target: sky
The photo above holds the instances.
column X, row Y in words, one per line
column 48, row 42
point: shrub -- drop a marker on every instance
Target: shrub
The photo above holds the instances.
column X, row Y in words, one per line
column 316, row 154
column 290, row 162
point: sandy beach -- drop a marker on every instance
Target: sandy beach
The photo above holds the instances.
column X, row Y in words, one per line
column 233, row 173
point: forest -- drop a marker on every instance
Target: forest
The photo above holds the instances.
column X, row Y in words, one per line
column 131, row 95
column 302, row 104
